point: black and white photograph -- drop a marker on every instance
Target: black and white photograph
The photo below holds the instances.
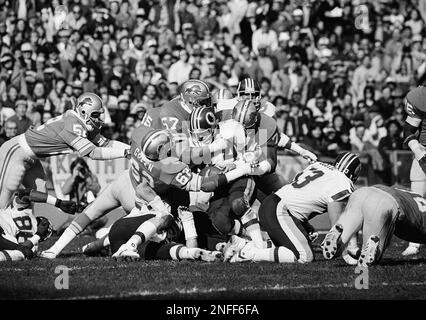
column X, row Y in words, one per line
column 207, row 156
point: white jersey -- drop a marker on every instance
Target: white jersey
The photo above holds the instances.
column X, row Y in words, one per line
column 313, row 189
column 267, row 108
column 225, row 107
column 17, row 225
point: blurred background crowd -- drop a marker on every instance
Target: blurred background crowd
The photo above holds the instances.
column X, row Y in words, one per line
column 337, row 70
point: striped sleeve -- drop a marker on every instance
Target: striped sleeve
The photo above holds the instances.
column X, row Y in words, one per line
column 82, row 145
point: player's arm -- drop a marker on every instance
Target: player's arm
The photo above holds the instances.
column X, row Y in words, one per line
column 411, row 125
column 268, row 159
column 145, row 194
column 211, row 183
column 199, row 155
column 66, row 206
column 286, row 143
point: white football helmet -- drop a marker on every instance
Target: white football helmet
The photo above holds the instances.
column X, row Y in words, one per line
column 90, row 109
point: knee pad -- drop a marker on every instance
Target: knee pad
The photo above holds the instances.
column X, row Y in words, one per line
column 240, row 206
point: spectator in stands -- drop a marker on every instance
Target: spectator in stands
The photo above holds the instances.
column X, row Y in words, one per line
column 20, row 118
column 10, row 131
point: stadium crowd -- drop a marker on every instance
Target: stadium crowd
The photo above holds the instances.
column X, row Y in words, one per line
column 334, row 89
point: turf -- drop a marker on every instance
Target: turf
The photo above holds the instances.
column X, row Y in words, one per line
column 103, row 278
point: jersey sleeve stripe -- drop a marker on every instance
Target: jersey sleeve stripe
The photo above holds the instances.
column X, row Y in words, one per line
column 415, row 122
column 85, row 147
column 341, row 195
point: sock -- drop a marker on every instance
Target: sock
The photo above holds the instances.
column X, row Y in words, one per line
column 251, row 224
column 73, row 230
column 179, row 252
column 106, row 241
column 414, row 245
column 188, row 224
column 11, row 255
column 353, row 242
column 278, row 254
column 143, row 233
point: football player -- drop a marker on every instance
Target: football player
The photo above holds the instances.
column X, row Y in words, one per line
column 285, row 214
column 20, row 230
column 380, row 211
column 249, row 89
column 161, row 245
column 76, row 130
column 151, row 167
column 173, row 114
column 415, row 138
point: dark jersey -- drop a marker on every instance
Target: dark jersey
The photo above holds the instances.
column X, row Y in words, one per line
column 412, row 207
column 63, row 134
column 174, row 116
column 162, row 175
column 417, row 118
column 152, row 118
column 264, row 140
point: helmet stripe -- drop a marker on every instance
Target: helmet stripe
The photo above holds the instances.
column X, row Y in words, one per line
column 150, row 139
column 342, row 161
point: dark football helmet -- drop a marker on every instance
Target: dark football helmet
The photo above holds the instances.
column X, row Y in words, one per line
column 201, row 125
column 195, row 93
column 248, row 88
column 349, row 164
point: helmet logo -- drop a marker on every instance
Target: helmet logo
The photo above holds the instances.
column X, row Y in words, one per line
column 210, row 118
column 86, row 101
column 195, row 89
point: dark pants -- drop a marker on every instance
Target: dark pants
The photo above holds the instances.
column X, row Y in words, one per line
column 231, row 202
column 284, row 229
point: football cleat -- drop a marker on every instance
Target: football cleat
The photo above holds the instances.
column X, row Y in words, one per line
column 220, row 246
column 234, row 245
column 332, row 242
column 48, row 255
column 411, row 250
column 126, row 253
column 369, row 252
column 210, row 256
column 246, row 254
column 94, row 248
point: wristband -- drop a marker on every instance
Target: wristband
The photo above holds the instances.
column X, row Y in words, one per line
column 52, row 200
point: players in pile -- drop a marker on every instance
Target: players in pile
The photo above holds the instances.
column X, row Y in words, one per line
column 76, row 130
column 380, row 211
column 151, row 168
column 20, row 230
column 285, row 214
column 232, row 210
column 415, row 138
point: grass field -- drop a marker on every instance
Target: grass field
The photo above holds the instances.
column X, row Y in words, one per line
column 103, row 278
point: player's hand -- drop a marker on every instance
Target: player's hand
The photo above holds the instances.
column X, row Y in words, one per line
column 127, row 153
column 44, row 228
column 26, row 251
column 66, row 206
column 226, row 167
column 311, row 157
column 249, row 167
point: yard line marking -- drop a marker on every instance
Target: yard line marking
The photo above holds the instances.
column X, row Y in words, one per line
column 142, row 293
